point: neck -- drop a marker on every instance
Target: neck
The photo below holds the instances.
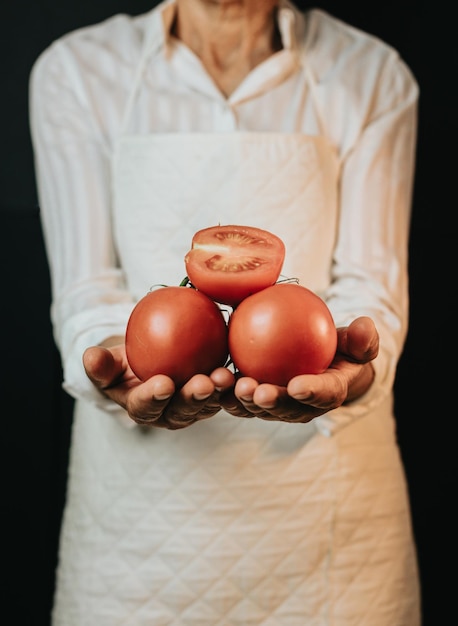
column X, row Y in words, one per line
column 230, row 37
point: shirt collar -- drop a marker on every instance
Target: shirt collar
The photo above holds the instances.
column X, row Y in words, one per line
column 286, row 20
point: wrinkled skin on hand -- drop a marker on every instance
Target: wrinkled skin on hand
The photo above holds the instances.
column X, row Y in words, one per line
column 156, row 403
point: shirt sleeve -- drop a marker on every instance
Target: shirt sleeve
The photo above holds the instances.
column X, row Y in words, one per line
column 370, row 265
column 72, row 162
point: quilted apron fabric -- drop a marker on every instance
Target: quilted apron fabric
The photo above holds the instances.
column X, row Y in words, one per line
column 232, row 522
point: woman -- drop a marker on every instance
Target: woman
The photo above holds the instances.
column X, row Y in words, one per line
column 179, row 511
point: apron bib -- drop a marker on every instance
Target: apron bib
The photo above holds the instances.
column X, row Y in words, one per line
column 168, row 186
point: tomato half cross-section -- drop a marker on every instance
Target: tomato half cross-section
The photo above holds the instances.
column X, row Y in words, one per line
column 176, row 331
column 281, row 332
column 230, row 262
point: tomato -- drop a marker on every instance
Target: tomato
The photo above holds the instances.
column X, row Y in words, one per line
column 229, row 263
column 176, row 331
column 281, row 332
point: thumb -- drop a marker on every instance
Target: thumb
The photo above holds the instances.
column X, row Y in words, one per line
column 360, row 340
column 101, row 366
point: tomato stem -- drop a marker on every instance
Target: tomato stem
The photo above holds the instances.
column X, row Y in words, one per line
column 186, row 283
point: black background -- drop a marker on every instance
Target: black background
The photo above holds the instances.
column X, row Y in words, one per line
column 37, row 414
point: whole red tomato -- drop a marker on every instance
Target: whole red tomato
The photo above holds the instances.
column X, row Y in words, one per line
column 229, row 263
column 176, row 331
column 281, row 332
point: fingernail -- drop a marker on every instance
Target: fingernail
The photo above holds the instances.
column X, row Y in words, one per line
column 300, row 397
column 161, row 397
column 201, row 396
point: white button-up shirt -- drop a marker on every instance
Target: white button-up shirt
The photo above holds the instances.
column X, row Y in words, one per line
column 364, row 100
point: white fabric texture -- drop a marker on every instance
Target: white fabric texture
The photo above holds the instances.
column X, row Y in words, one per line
column 229, row 522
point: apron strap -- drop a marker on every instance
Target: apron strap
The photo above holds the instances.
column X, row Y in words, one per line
column 313, row 86
column 286, row 22
column 153, row 41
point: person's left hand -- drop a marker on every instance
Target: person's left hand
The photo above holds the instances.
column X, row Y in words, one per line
column 307, row 396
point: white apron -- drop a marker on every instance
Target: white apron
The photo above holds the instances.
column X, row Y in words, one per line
column 231, row 522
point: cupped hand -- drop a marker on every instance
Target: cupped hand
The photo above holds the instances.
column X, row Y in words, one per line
column 155, row 402
column 309, row 395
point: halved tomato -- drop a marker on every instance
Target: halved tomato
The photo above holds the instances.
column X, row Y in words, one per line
column 229, row 263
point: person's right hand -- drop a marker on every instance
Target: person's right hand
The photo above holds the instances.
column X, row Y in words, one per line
column 155, row 402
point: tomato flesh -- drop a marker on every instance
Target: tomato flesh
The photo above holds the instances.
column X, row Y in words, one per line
column 280, row 332
column 229, row 263
column 176, row 331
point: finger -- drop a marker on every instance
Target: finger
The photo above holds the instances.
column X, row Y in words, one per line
column 359, row 340
column 197, row 399
column 147, row 401
column 156, row 404
column 271, row 402
column 324, row 391
column 267, row 401
column 245, row 389
column 276, row 403
column 230, row 403
column 222, row 378
column 100, row 366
